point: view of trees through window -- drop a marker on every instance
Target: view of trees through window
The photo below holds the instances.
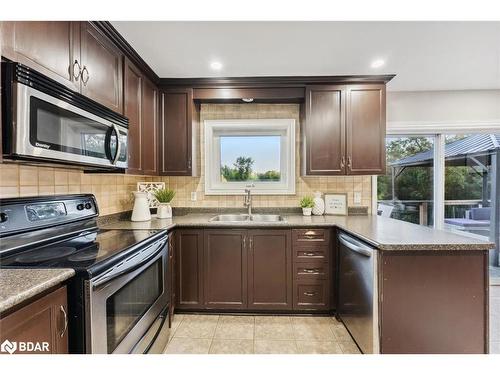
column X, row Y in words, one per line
column 405, row 192
column 250, row 158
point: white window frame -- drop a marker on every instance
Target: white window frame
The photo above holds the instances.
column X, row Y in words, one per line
column 282, row 127
column 438, row 130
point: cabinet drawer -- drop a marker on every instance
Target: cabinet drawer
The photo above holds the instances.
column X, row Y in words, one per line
column 311, row 271
column 308, row 253
column 306, row 237
column 311, row 295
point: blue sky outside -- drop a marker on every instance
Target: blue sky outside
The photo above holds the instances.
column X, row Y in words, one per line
column 264, row 150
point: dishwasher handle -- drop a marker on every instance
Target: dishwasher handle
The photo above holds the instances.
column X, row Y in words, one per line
column 355, row 245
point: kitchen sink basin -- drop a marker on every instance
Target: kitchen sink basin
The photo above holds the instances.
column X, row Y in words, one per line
column 242, row 218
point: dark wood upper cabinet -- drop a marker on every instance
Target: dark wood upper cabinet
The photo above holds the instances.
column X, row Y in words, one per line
column 344, row 130
column 102, row 72
column 225, row 269
column 50, row 47
column 132, row 96
column 43, row 320
column 365, row 117
column 269, row 270
column 149, row 136
column 177, row 134
column 189, row 268
column 325, row 130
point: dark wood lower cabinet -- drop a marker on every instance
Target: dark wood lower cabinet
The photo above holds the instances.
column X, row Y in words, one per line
column 189, row 268
column 252, row 270
column 41, row 321
column 225, row 269
column 433, row 302
column 270, row 270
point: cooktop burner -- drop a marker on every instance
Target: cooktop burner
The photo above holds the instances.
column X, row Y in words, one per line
column 89, row 252
column 84, row 255
column 48, row 254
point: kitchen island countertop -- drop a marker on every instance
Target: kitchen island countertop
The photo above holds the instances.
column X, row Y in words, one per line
column 383, row 233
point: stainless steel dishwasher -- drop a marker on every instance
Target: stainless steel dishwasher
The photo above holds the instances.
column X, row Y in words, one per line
column 357, row 291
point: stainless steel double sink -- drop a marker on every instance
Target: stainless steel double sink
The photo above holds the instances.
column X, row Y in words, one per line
column 244, row 218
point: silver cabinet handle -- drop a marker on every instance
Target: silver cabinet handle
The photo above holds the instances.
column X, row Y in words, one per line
column 77, row 73
column 342, row 162
column 309, row 254
column 309, row 294
column 310, row 233
column 189, row 163
column 85, row 79
column 349, row 162
column 244, row 242
column 65, row 320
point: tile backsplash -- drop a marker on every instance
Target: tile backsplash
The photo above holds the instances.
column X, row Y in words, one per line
column 113, row 191
column 304, row 185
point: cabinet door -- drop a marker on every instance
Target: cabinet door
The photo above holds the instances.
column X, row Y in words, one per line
column 101, row 69
column 366, row 129
column 270, row 270
column 132, row 96
column 50, row 47
column 176, row 153
column 325, row 130
column 42, row 321
column 225, row 269
column 189, row 268
column 149, row 128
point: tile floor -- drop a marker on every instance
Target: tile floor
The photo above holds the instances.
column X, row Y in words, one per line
column 232, row 334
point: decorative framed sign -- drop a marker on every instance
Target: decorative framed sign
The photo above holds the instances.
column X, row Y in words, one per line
column 150, row 188
column 336, row 204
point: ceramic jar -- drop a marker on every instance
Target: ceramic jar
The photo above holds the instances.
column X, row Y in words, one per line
column 319, row 204
column 164, row 211
column 141, row 211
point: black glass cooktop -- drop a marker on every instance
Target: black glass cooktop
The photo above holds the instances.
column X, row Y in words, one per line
column 88, row 253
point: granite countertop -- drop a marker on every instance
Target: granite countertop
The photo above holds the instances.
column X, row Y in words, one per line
column 18, row 285
column 383, row 233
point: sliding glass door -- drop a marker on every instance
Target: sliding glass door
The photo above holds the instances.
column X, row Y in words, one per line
column 405, row 192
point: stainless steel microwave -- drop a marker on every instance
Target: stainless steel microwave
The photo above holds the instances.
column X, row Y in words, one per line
column 45, row 122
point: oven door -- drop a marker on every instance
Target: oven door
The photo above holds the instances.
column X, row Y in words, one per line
column 53, row 129
column 126, row 303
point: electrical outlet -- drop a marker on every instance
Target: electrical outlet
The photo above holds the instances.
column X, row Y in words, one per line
column 193, row 195
column 357, row 197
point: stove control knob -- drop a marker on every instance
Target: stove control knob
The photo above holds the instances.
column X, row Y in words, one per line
column 79, row 207
column 3, row 217
column 88, row 206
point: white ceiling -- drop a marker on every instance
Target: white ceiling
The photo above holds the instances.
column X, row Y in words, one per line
column 424, row 55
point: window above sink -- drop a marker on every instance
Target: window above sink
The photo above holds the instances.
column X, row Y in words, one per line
column 256, row 153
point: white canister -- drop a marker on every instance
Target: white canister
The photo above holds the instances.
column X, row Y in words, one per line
column 319, row 204
column 141, row 207
column 164, row 211
column 306, row 211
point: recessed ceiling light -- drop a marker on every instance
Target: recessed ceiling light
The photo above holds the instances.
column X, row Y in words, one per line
column 215, row 65
column 378, row 63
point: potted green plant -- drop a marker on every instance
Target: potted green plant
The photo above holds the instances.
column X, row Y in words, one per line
column 307, row 203
column 164, row 197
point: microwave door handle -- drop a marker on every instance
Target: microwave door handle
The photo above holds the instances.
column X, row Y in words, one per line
column 107, row 278
column 118, row 145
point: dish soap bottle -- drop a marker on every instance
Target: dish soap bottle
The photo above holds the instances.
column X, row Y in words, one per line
column 319, row 204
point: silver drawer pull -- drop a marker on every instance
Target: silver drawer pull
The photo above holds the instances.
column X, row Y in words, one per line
column 310, row 233
column 309, row 294
column 309, row 254
column 310, row 270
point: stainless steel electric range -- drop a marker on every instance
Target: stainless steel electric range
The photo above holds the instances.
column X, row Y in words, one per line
column 118, row 301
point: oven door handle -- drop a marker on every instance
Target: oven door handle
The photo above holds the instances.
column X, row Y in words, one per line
column 115, row 272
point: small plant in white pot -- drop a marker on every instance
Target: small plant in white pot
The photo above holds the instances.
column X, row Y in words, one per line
column 307, row 203
column 164, row 197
